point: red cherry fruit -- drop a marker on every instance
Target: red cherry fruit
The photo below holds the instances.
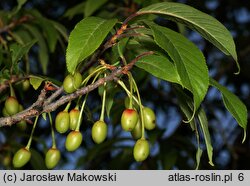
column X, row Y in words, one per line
column 129, row 119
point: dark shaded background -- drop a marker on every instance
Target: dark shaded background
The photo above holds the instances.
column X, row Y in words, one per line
column 173, row 143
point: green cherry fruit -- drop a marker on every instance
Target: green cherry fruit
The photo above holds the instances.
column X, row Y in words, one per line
column 22, row 125
column 129, row 119
column 77, row 80
column 68, row 84
column 20, row 108
column 99, row 131
column 137, row 131
column 141, row 150
column 52, row 158
column 21, row 157
column 74, row 116
column 11, row 105
column 25, row 85
column 73, row 140
column 62, row 122
column 149, row 118
column 4, row 112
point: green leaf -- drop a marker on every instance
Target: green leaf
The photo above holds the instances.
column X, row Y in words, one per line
column 189, row 61
column 160, row 67
column 43, row 50
column 78, row 9
column 198, row 157
column 47, row 29
column 36, row 81
column 19, row 6
column 233, row 104
column 118, row 50
column 22, row 36
column 85, row 38
column 204, row 126
column 92, row 6
column 109, row 104
column 50, row 32
column 111, row 90
column 186, row 106
column 61, row 29
column 44, row 115
column 121, row 47
column 210, row 28
column 18, row 51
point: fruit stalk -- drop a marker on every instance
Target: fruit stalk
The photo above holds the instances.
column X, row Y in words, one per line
column 12, row 92
column 103, row 101
column 67, row 107
column 141, row 107
column 127, row 91
column 81, row 112
column 52, row 132
column 131, row 90
column 31, row 135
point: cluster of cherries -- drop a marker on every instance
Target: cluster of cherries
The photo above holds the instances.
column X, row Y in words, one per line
column 131, row 121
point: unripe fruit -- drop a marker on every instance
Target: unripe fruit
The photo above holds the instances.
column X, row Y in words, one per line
column 26, row 85
column 20, row 108
column 99, row 131
column 73, row 140
column 11, row 105
column 71, row 83
column 5, row 114
column 137, row 131
column 52, row 158
column 149, row 118
column 141, row 150
column 77, row 80
column 22, row 125
column 68, row 84
column 21, row 157
column 129, row 119
column 74, row 116
column 62, row 122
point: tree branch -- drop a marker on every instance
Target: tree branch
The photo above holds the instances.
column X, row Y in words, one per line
column 43, row 106
column 14, row 23
column 13, row 79
column 54, row 96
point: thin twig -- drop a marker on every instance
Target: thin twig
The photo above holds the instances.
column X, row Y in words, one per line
column 54, row 95
column 134, row 28
column 129, row 35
